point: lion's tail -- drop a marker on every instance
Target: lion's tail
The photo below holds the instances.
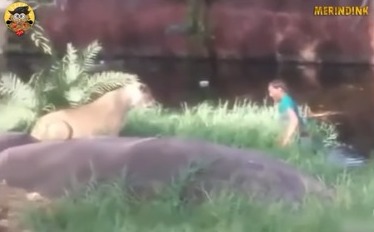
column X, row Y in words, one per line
column 60, row 130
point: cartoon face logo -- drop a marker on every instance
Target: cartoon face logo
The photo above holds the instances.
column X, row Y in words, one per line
column 19, row 18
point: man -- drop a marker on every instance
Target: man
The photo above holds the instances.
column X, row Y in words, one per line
column 287, row 109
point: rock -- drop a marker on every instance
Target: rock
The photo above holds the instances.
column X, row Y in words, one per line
column 14, row 139
column 50, row 168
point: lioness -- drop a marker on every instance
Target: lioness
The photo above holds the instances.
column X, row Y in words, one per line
column 104, row 116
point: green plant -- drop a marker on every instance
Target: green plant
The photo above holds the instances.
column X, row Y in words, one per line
column 40, row 40
column 66, row 83
column 258, row 126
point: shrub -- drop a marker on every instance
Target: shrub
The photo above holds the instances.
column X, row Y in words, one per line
column 246, row 124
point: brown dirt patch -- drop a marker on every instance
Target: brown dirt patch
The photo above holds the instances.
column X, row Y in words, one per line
column 13, row 201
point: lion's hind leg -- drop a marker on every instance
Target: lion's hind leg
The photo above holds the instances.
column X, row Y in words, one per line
column 57, row 130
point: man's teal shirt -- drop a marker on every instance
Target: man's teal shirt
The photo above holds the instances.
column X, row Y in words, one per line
column 287, row 103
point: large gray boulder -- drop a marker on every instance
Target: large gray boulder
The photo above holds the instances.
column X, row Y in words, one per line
column 51, row 168
column 12, row 139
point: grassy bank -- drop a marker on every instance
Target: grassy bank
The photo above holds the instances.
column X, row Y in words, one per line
column 249, row 125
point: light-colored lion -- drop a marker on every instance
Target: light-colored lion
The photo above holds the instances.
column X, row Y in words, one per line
column 104, row 116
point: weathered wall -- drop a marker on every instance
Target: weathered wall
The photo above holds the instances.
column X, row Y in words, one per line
column 3, row 33
column 281, row 29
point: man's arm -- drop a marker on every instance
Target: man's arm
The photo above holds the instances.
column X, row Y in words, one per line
column 291, row 128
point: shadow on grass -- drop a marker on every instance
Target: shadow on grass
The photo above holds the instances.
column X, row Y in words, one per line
column 108, row 208
column 113, row 207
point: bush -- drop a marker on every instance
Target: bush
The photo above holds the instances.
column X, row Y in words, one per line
column 246, row 124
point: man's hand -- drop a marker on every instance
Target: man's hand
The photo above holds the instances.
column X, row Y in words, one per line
column 291, row 128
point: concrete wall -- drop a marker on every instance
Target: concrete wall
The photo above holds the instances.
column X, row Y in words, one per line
column 285, row 30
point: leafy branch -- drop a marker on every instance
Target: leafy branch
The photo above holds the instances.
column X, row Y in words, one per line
column 41, row 41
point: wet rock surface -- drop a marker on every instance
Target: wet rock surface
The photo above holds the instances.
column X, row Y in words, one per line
column 13, row 139
column 51, row 168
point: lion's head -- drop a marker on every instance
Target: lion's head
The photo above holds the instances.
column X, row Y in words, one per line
column 139, row 95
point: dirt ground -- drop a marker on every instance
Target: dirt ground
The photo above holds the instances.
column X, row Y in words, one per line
column 12, row 202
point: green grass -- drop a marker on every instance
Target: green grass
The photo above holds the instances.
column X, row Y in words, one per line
column 248, row 126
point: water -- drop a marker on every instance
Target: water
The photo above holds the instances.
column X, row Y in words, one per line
column 348, row 90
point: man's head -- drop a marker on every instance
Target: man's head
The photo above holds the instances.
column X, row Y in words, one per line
column 277, row 89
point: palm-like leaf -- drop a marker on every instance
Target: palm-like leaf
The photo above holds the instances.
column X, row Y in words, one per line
column 100, row 83
column 40, row 41
column 36, row 78
column 109, row 80
column 75, row 96
column 13, row 116
column 73, row 72
column 68, row 70
column 18, row 92
column 89, row 55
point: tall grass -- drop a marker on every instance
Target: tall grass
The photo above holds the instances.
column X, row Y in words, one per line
column 245, row 125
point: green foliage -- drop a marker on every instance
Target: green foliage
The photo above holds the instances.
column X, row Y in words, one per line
column 66, row 83
column 40, row 41
column 37, row 34
column 258, row 125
